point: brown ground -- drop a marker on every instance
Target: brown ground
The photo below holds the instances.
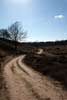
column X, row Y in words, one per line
column 23, row 83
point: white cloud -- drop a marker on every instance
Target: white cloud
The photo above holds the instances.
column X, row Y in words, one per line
column 59, row 16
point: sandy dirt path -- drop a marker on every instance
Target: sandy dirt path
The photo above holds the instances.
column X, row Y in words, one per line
column 24, row 83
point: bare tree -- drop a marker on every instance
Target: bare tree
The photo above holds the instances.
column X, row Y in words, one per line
column 16, row 33
column 4, row 34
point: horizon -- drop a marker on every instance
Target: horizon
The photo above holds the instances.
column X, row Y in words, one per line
column 44, row 20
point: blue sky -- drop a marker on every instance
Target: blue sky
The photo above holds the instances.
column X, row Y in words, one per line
column 44, row 20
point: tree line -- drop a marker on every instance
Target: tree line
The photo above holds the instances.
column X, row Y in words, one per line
column 14, row 32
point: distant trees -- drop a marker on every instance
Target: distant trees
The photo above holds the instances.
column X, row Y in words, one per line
column 4, row 34
column 14, row 32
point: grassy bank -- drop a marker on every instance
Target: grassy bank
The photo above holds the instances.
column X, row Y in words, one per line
column 54, row 66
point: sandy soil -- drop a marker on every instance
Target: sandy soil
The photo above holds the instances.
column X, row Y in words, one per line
column 24, row 83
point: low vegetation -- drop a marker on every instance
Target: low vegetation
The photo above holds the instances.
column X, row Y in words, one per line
column 52, row 63
column 3, row 90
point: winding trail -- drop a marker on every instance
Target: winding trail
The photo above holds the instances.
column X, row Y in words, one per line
column 24, row 83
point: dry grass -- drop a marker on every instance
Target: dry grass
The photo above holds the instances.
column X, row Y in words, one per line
column 3, row 90
column 52, row 63
column 4, row 57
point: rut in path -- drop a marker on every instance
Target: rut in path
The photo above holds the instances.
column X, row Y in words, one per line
column 26, row 84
